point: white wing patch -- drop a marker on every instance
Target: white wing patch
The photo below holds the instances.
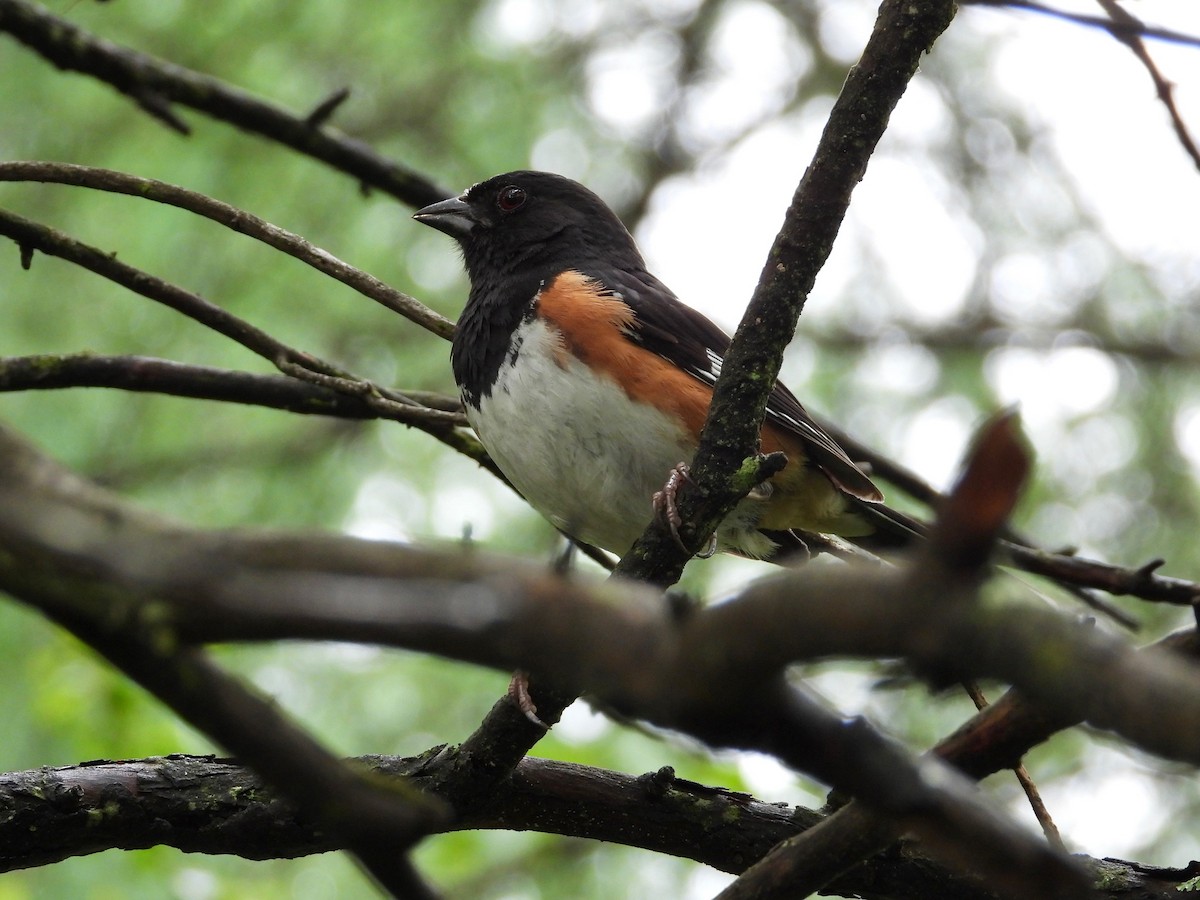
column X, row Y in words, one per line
column 713, row 372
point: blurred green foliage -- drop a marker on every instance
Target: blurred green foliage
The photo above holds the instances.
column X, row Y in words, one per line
column 461, row 90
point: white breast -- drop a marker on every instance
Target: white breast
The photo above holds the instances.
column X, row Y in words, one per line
column 574, row 444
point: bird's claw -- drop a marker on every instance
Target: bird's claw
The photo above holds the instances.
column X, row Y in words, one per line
column 665, row 508
column 518, row 690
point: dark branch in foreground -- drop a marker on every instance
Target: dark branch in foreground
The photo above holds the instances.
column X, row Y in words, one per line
column 243, row 586
column 712, row 674
column 377, row 823
column 155, row 84
column 214, row 806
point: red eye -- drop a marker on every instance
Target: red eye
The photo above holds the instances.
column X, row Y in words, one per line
column 510, row 198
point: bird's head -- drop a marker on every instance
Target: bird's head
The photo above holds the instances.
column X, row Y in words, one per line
column 524, row 221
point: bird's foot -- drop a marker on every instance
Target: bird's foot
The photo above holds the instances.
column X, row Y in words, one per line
column 518, row 690
column 664, row 507
column 664, row 501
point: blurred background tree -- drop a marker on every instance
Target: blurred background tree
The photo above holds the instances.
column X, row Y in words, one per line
column 1025, row 234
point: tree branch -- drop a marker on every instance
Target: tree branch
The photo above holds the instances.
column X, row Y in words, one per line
column 155, row 84
column 164, row 376
column 238, row 220
column 220, row 588
column 240, row 586
column 376, row 821
column 1116, row 28
column 1128, row 29
column 31, row 236
column 214, row 806
column 723, row 470
column 631, row 655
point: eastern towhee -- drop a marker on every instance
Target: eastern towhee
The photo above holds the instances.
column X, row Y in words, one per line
column 587, row 379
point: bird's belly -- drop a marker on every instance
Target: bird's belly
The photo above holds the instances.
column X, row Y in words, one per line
column 574, row 444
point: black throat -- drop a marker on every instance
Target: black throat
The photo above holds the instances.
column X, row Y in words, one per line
column 484, row 334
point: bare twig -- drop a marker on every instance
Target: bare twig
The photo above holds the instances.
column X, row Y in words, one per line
column 155, row 84
column 238, row 220
column 1117, row 29
column 34, row 236
column 1128, row 29
column 1066, row 569
column 1032, row 794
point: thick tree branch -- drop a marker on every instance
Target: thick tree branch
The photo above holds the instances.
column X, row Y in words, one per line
column 993, row 740
column 136, row 373
column 257, row 587
column 532, row 618
column 214, row 806
column 729, row 694
column 155, row 84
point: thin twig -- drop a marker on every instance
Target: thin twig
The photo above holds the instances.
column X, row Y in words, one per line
column 154, row 84
column 1116, row 28
column 1032, row 794
column 32, row 235
column 238, row 220
column 1128, row 29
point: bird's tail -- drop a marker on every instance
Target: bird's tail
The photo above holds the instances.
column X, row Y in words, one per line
column 893, row 530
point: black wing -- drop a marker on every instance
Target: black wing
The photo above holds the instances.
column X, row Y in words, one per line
column 666, row 326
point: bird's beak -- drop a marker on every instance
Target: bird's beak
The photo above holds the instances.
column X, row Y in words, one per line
column 454, row 217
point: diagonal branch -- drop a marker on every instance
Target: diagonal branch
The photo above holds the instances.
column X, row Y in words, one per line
column 372, row 818
column 156, row 84
column 31, row 236
column 903, row 32
column 238, row 220
column 1128, row 29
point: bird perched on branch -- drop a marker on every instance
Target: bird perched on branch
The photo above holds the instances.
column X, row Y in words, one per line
column 588, row 381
